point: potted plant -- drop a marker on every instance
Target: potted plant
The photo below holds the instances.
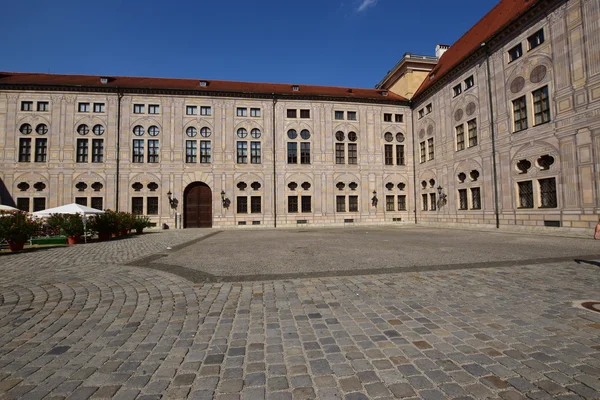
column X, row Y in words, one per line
column 16, row 227
column 104, row 224
column 140, row 223
column 70, row 225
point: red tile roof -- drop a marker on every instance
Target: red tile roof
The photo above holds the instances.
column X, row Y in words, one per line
column 492, row 23
column 22, row 78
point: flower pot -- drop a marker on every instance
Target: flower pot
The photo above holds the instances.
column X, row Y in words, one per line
column 123, row 232
column 16, row 245
column 103, row 236
column 139, row 231
column 73, row 239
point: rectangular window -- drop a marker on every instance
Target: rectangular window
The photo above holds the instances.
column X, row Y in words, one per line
column 387, row 117
column 352, row 153
column 399, row 118
column 389, row 154
column 469, row 82
column 520, row 113
column 536, row 39
column 153, row 109
column 82, row 150
column 255, row 112
column 39, row 204
column 430, row 147
column 97, row 150
column 305, row 153
column 242, row 152
column 292, row 204
column 82, row 201
column 390, row 203
column 457, row 90
column 255, row 152
column 205, row 110
column 153, row 151
column 432, row 201
column 99, row 108
column 27, row 106
column 291, row 113
column 402, row 202
column 423, row 159
column 340, row 153
column 339, row 115
column 292, row 153
column 24, row 150
column 137, row 205
column 472, row 125
column 340, row 203
column 351, row 115
column 23, row 203
column 242, row 205
column 515, row 52
column 205, row 151
column 242, row 112
column 424, row 198
column 42, row 106
column 83, row 107
column 41, row 149
column 152, row 205
column 306, row 204
column 541, row 106
column 421, row 113
column 526, row 194
column 191, row 110
column 548, row 193
column 429, row 108
column 97, row 203
column 353, row 203
column 460, row 137
column 191, row 151
column 138, row 150
column 138, row 108
column 304, row 113
column 476, row 198
column 255, row 204
column 399, row 154
column 462, row 199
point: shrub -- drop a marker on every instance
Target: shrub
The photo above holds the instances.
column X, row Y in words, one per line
column 140, row 222
column 104, row 223
column 17, row 226
column 67, row 224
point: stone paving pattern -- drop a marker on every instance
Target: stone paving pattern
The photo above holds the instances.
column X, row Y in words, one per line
column 78, row 323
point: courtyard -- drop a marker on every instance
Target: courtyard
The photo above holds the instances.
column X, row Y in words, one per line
column 345, row 313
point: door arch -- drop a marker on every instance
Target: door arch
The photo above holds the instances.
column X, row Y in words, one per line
column 197, row 206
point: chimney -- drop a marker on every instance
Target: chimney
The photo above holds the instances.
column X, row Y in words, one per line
column 441, row 49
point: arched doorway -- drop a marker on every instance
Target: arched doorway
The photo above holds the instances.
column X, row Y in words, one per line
column 197, row 206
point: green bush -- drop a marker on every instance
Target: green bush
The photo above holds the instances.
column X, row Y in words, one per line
column 66, row 224
column 17, row 226
column 141, row 222
column 104, row 223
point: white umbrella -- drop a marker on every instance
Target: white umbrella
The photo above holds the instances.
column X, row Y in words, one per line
column 7, row 208
column 72, row 208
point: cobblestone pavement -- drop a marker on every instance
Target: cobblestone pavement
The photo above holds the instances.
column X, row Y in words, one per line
column 79, row 323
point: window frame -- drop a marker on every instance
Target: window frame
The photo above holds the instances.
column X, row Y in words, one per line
column 519, row 105
column 241, row 112
column 139, row 108
column 515, row 52
column 191, row 110
column 460, row 137
column 536, row 39
column 472, row 129
column 544, row 102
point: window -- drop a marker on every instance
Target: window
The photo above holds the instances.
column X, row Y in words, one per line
column 469, row 82
column 242, row 152
column 152, row 205
column 82, row 201
column 42, row 106
column 205, row 132
column 205, row 110
column 429, row 108
column 432, row 201
column 306, row 204
column 41, row 148
column 339, row 115
column 190, row 151
column 138, row 150
column 305, row 134
column 242, row 205
column 191, row 110
column 389, row 154
column 291, row 113
column 472, row 125
column 191, row 131
column 390, row 203
column 515, row 52
column 98, row 130
column 27, row 106
column 39, row 204
column 138, row 108
column 153, row 109
column 255, row 152
column 97, row 150
column 351, row 115
column 423, row 159
column 138, row 130
column 536, row 39
column 340, row 153
column 399, row 118
column 99, row 108
column 292, row 204
column 292, row 151
column 24, row 150
column 242, row 133
column 304, row 113
column 462, row 199
column 137, row 205
column 548, row 193
column 83, row 107
column 399, row 154
column 460, row 137
column 340, row 203
column 255, row 112
column 520, row 113
column 23, row 203
column 153, row 151
column 304, row 153
column 402, row 202
column 255, row 204
column 387, row 117
column 430, row 147
column 82, row 150
column 457, row 89
column 352, row 153
column 424, row 199
column 97, row 203
column 83, row 129
column 153, row 130
column 476, row 198
column 242, row 112
column 525, row 194
column 204, row 151
column 421, row 113
column 353, row 203
column 541, row 106
column 25, row 129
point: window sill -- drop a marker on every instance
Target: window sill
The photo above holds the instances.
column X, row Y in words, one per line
column 542, row 123
column 520, row 130
column 548, row 207
column 525, row 208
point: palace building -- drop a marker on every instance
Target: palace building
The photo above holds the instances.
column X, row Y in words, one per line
column 500, row 128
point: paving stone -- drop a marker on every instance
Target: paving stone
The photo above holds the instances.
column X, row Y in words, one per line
column 402, row 390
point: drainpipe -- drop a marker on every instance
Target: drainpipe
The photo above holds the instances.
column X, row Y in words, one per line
column 493, row 132
column 414, row 167
column 274, row 168
column 119, row 96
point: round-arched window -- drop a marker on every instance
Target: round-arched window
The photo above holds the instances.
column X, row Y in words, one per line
column 292, row 134
column 98, row 130
column 41, row 129
column 25, row 129
column 153, row 130
column 255, row 133
column 83, row 129
column 339, row 136
column 138, row 130
column 242, row 133
column 399, row 137
column 388, row 136
column 191, row 131
column 305, row 134
column 352, row 136
column 205, row 132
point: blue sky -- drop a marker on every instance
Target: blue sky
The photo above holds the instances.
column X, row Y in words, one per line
column 322, row 42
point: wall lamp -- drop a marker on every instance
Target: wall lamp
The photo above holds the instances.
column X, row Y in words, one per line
column 225, row 201
column 173, row 202
column 374, row 200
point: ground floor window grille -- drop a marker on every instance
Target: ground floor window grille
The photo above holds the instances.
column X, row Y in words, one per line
column 137, row 205
column 433, row 201
column 255, row 204
column 548, row 193
column 402, row 202
column 82, row 201
column 462, row 199
column 39, row 204
column 425, row 206
column 242, row 205
column 292, row 204
column 340, row 202
column 152, row 205
column 23, row 203
column 306, row 204
column 526, row 194
column 389, row 203
column 476, row 198
column 353, row 203
column 97, row 203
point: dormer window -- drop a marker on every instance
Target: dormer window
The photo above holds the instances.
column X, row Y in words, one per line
column 295, row 88
column 384, row 93
column 104, row 81
column 203, row 83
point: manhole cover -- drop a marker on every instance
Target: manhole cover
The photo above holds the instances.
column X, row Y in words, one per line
column 591, row 305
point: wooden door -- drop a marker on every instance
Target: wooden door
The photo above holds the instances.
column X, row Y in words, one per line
column 198, row 207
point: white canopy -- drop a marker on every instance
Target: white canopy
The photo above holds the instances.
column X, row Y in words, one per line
column 7, row 208
column 72, row 208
